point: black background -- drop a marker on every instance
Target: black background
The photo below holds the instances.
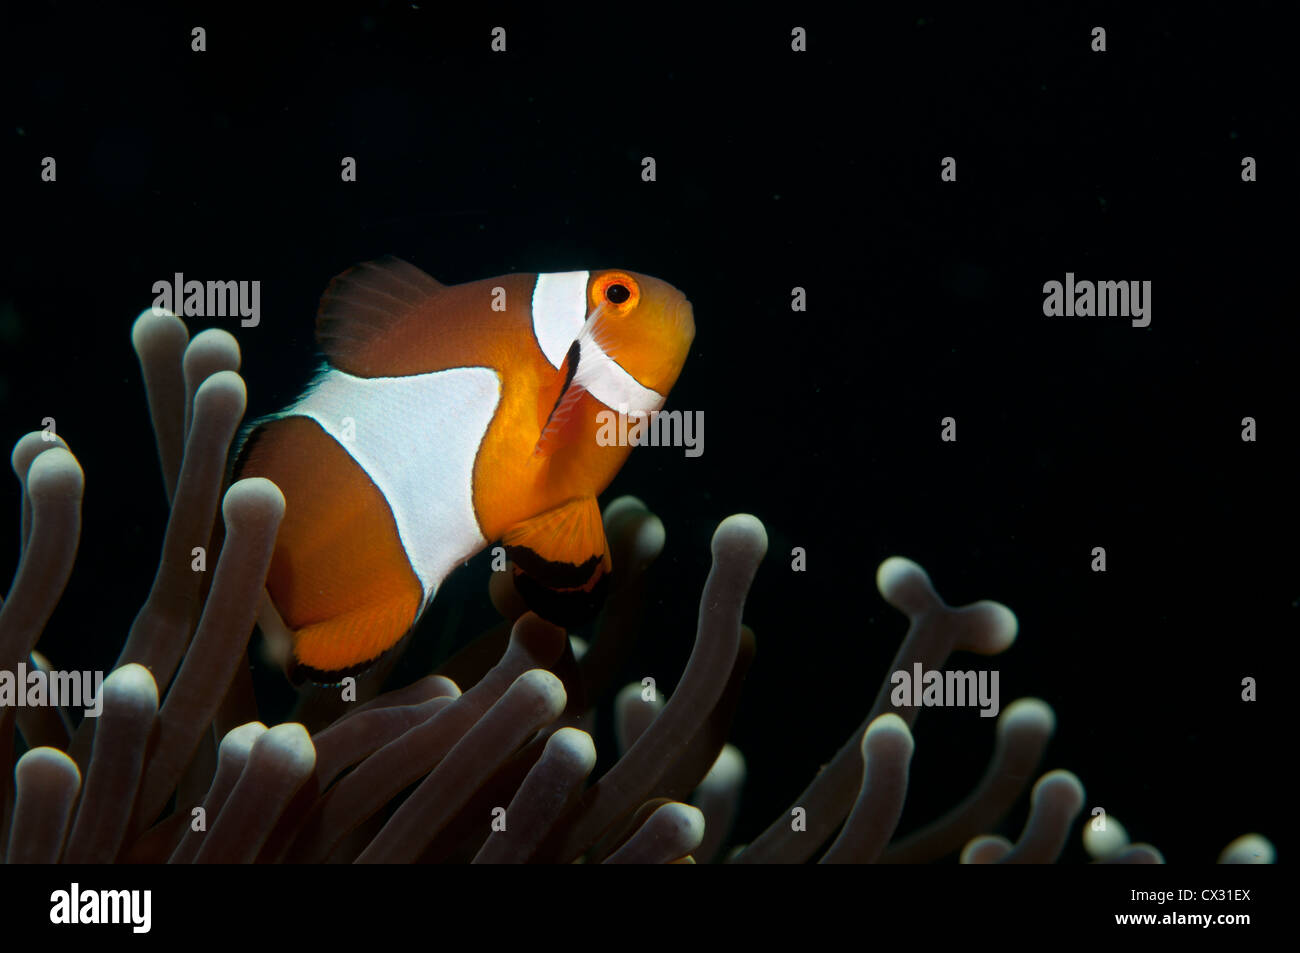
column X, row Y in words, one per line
column 775, row 169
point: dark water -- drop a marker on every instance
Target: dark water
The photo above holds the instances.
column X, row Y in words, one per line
column 775, row 170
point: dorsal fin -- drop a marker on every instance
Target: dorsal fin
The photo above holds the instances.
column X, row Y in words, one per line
column 368, row 300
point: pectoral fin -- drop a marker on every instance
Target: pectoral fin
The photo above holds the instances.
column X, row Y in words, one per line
column 553, row 433
column 561, row 562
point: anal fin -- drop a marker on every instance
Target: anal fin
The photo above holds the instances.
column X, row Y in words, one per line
column 561, row 561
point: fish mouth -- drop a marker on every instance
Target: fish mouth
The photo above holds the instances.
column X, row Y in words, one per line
column 684, row 314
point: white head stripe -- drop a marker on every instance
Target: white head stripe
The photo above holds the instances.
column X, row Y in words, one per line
column 559, row 310
column 417, row 438
column 602, row 377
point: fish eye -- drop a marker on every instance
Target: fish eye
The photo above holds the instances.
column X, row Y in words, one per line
column 616, row 291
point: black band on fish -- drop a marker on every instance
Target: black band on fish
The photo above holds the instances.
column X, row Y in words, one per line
column 570, row 368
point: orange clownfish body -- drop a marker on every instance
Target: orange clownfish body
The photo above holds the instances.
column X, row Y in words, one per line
column 444, row 418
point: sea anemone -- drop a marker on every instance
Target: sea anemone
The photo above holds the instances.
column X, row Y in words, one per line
column 486, row 759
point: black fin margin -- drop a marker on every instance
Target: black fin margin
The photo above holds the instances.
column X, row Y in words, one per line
column 568, row 608
column 553, row 575
column 298, row 674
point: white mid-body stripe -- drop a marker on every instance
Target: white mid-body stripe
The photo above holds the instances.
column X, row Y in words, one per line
column 559, row 312
column 416, row 437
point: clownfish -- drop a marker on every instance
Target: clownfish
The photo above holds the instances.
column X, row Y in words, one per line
column 445, row 418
